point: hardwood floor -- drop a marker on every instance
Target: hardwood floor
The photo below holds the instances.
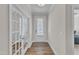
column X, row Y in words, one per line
column 76, row 49
column 39, row 48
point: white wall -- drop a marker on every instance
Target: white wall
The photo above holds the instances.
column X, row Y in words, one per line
column 4, row 29
column 69, row 30
column 56, row 29
column 61, row 29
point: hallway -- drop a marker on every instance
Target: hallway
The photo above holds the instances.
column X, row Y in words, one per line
column 36, row 29
column 40, row 48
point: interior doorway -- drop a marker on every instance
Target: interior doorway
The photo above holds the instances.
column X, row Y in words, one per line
column 76, row 30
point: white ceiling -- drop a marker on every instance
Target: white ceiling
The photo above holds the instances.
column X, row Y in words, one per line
column 37, row 9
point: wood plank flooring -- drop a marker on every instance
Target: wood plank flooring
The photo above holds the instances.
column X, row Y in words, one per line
column 39, row 48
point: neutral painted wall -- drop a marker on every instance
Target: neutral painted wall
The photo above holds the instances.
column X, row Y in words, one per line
column 4, row 29
column 69, row 30
column 56, row 29
column 60, row 29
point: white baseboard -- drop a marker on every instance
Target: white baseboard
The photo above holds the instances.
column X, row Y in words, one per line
column 50, row 43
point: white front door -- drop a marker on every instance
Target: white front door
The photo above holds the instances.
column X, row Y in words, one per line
column 40, row 28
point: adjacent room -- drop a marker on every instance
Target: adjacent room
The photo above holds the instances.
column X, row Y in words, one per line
column 76, row 29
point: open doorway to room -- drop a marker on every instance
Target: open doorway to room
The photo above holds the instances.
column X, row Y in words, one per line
column 76, row 29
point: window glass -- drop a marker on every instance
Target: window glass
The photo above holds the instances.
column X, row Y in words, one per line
column 40, row 26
